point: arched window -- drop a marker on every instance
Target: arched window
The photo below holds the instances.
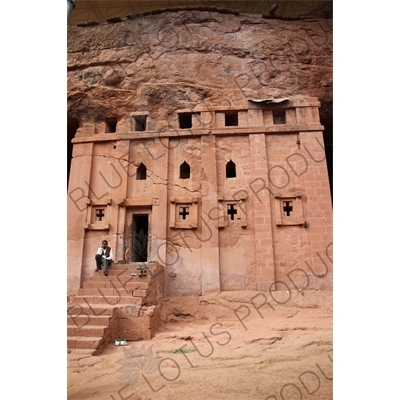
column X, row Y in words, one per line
column 141, row 172
column 184, row 171
column 230, row 169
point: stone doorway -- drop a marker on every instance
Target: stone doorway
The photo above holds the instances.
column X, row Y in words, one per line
column 140, row 233
column 137, row 235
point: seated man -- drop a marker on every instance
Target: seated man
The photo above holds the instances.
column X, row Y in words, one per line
column 104, row 256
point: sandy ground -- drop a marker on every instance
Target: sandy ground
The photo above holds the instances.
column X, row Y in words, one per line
column 234, row 345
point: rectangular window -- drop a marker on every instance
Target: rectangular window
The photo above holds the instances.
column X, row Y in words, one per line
column 111, row 125
column 279, row 117
column 185, row 121
column 139, row 122
column 231, row 118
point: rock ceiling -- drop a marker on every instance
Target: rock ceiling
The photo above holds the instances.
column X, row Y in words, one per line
column 100, row 11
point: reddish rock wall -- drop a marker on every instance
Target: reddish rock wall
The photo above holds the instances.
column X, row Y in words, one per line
column 174, row 60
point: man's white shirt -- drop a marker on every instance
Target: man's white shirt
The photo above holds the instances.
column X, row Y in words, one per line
column 102, row 252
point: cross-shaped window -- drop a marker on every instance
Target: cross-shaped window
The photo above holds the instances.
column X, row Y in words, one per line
column 288, row 208
column 99, row 214
column 183, row 212
column 232, row 211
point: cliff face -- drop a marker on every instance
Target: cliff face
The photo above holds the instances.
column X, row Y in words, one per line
column 166, row 61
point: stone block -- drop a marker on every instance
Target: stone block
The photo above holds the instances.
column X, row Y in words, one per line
column 140, row 293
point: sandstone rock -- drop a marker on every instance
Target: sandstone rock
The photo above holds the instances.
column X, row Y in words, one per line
column 174, row 60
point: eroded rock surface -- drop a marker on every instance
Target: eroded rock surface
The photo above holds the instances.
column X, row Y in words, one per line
column 176, row 60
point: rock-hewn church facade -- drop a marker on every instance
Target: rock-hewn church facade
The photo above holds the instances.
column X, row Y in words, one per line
column 197, row 143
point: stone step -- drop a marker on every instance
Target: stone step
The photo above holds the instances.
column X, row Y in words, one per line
column 86, row 331
column 129, row 285
column 102, row 285
column 133, row 267
column 105, row 284
column 85, row 319
column 113, row 292
column 110, row 300
column 123, row 274
column 104, row 292
column 91, row 310
column 120, row 279
column 140, row 293
column 151, row 270
column 137, row 285
column 79, row 342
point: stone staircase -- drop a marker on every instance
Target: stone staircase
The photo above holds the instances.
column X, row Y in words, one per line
column 115, row 306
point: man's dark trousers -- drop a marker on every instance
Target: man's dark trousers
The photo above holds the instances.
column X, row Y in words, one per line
column 102, row 261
